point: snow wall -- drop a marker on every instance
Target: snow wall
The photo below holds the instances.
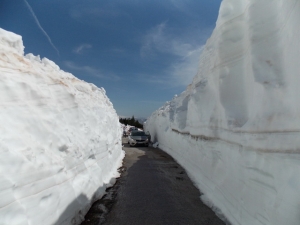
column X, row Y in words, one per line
column 236, row 128
column 60, row 143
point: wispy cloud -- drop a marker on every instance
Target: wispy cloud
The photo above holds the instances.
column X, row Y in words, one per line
column 117, row 50
column 184, row 70
column 88, row 12
column 182, row 6
column 158, row 79
column 186, row 51
column 92, row 71
column 40, row 26
column 154, row 40
column 153, row 102
column 96, row 12
column 79, row 49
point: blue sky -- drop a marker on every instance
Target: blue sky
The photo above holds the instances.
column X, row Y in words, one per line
column 142, row 52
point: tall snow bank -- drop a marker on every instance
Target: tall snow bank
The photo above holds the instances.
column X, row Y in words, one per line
column 236, row 128
column 60, row 143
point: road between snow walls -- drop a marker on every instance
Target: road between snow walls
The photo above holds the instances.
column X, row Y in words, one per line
column 60, row 144
column 236, row 127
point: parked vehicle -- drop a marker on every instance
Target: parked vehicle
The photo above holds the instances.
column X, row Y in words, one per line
column 131, row 129
column 138, row 138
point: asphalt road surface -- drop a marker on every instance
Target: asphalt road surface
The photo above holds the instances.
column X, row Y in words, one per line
column 152, row 190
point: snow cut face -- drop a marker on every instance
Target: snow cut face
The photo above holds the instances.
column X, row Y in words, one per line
column 236, row 127
column 11, row 42
column 60, row 143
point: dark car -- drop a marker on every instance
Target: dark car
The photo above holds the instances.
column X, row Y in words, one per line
column 138, row 138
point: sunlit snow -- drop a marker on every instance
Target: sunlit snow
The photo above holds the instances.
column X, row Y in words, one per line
column 236, row 127
column 60, row 143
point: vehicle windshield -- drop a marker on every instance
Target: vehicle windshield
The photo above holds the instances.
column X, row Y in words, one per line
column 138, row 133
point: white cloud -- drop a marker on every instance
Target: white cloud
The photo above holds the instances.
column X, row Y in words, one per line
column 92, row 71
column 80, row 48
column 186, row 50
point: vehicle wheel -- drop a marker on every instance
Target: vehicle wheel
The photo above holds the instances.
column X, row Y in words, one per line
column 146, row 145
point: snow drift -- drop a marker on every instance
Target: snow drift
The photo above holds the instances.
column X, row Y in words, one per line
column 236, row 128
column 60, row 143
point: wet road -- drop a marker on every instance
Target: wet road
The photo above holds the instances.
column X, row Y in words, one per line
column 154, row 190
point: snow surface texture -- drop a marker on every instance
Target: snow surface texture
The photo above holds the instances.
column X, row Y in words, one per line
column 60, row 144
column 236, row 128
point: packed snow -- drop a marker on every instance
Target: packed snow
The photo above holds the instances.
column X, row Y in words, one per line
column 60, row 144
column 236, row 127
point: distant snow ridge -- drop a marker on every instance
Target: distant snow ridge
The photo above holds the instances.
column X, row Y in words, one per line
column 236, row 128
column 60, row 143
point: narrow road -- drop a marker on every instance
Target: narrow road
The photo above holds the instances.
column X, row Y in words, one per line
column 152, row 190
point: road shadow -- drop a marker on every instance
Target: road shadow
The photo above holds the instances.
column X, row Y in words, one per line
column 72, row 214
column 75, row 211
column 102, row 206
